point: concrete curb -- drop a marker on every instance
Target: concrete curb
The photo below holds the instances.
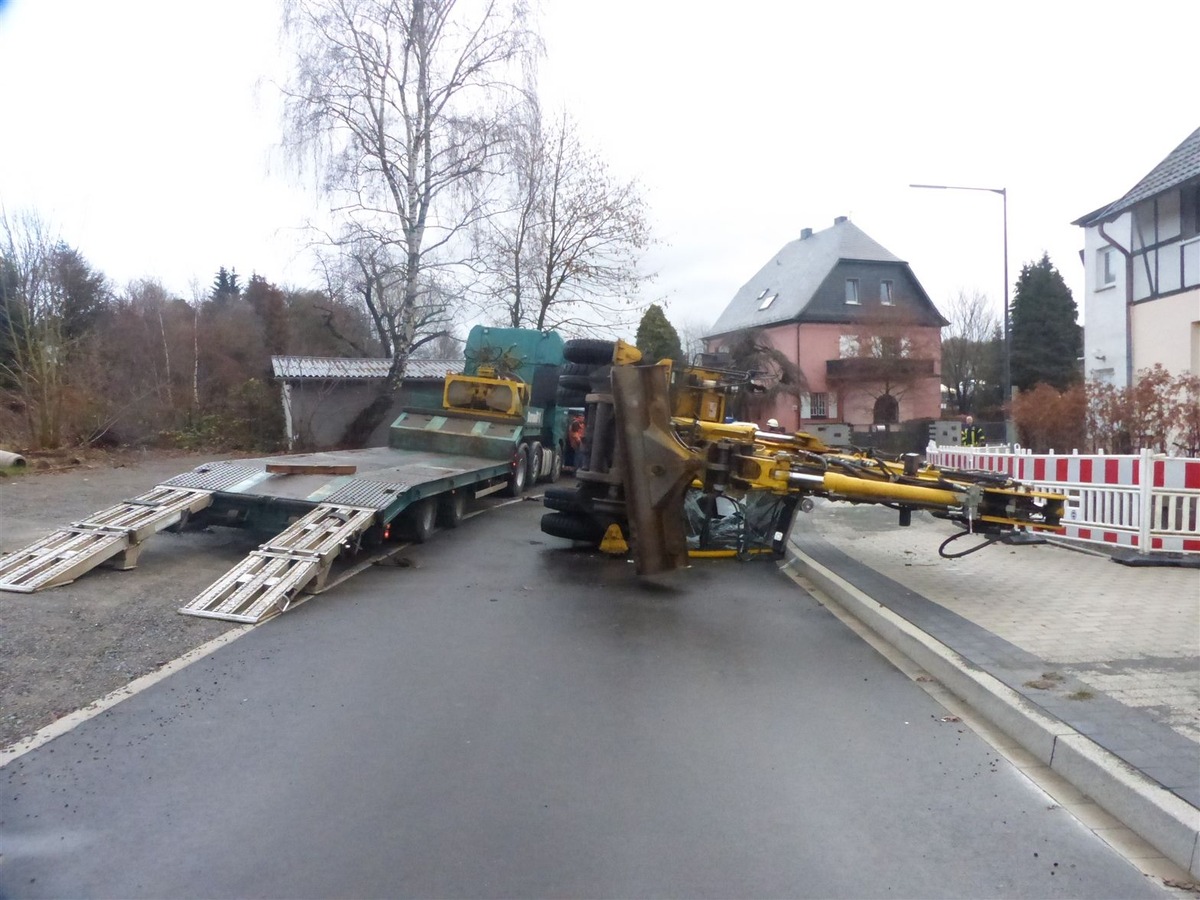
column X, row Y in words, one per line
column 1165, row 821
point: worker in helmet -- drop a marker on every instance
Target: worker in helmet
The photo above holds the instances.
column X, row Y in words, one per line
column 972, row 434
column 774, row 427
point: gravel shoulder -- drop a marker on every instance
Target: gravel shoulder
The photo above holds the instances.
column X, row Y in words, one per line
column 65, row 647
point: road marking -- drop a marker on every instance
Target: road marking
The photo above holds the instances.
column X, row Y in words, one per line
column 93, row 709
column 72, row 720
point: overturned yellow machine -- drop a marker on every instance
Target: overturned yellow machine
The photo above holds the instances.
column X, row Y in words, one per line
column 663, row 471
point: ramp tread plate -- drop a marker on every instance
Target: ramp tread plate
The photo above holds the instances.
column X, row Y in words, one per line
column 57, row 559
column 213, row 476
column 366, row 493
column 65, row 554
column 256, row 588
column 266, row 582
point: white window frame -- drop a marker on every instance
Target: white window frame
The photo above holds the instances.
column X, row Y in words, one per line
column 852, row 292
column 886, row 295
column 1106, row 270
column 818, row 405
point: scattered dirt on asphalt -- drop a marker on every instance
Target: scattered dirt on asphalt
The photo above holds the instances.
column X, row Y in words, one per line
column 62, row 648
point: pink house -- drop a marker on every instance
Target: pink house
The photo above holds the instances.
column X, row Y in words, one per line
column 853, row 318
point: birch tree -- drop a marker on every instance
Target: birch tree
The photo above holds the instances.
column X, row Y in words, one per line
column 400, row 104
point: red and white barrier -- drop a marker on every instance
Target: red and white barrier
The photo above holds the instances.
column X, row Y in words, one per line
column 1142, row 501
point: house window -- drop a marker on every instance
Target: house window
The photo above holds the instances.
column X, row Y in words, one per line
column 764, row 293
column 1108, row 267
column 818, row 405
column 847, row 346
column 885, row 293
column 767, row 302
column 852, row 290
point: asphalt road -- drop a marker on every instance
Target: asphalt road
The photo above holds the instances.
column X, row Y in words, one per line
column 509, row 718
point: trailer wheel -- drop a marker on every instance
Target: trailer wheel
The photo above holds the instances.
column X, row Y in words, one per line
column 518, row 472
column 452, row 507
column 556, row 466
column 536, row 457
column 420, row 520
column 588, row 350
column 571, row 527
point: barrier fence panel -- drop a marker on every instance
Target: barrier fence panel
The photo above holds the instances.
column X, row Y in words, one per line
column 1139, row 500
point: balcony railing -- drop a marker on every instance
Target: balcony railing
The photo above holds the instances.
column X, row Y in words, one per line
column 873, row 368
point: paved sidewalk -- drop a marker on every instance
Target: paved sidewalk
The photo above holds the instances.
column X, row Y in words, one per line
column 1109, row 653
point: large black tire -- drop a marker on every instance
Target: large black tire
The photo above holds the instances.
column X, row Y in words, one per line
column 518, row 477
column 419, row 520
column 452, row 507
column 578, row 383
column 562, row 500
column 588, row 350
column 571, row 527
column 570, row 368
column 570, row 398
column 600, row 381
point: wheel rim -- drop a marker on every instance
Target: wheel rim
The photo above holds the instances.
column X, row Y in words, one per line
column 520, row 469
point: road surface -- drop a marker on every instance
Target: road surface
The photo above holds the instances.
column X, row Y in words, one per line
column 505, row 717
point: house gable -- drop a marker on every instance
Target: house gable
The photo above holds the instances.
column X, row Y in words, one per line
column 805, row 282
column 1181, row 165
column 1141, row 260
column 910, row 304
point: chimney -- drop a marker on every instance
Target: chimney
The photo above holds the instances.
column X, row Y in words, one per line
column 839, row 220
column 805, row 233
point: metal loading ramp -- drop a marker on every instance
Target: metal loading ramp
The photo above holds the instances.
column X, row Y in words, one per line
column 268, row 581
column 114, row 536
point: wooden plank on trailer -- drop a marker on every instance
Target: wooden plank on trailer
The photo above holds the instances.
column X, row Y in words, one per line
column 302, row 469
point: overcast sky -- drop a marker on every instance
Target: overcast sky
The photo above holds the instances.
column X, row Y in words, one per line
column 146, row 131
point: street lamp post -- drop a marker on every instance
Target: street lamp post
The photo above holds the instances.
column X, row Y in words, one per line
column 1006, row 375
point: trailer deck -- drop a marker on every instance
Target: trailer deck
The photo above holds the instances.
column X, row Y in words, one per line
column 317, row 505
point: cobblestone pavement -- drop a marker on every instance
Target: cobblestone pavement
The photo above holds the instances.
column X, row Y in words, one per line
column 1131, row 633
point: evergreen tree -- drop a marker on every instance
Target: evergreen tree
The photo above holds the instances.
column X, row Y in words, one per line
column 225, row 286
column 83, row 291
column 657, row 337
column 1046, row 338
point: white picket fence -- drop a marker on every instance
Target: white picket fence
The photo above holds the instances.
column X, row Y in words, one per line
column 1143, row 501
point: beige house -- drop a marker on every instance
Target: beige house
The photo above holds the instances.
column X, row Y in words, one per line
column 1142, row 274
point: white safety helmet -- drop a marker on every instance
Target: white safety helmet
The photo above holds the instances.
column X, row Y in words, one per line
column 772, row 423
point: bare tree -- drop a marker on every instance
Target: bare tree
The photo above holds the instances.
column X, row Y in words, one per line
column 691, row 336
column 400, row 104
column 885, row 359
column 34, row 345
column 564, row 254
column 969, row 352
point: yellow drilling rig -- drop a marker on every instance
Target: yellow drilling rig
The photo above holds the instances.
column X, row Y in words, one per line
column 664, row 474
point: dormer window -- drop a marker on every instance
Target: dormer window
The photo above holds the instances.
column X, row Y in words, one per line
column 852, row 290
column 766, row 302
